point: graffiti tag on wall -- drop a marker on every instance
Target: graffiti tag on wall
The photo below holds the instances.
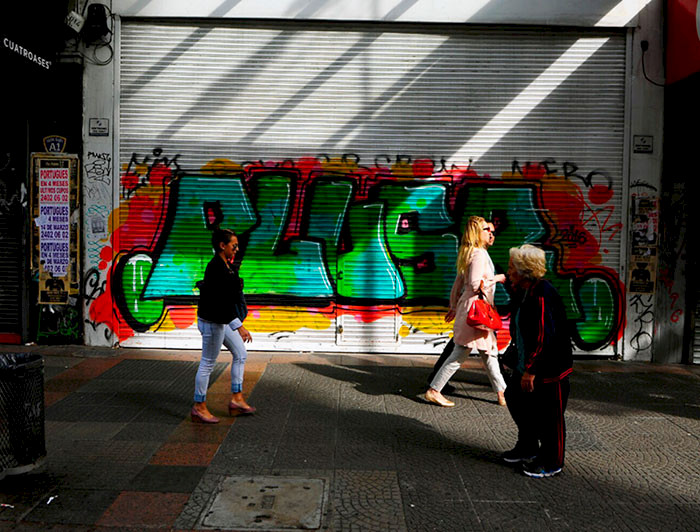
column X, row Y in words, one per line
column 326, row 236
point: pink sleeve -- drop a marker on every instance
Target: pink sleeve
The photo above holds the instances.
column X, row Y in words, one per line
column 457, row 287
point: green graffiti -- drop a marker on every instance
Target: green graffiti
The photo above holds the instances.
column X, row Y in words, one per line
column 402, row 245
column 58, row 323
column 565, row 287
column 367, row 272
column 514, row 210
column 417, row 225
column 597, row 300
column 329, row 204
column 267, row 269
column 134, row 275
column 187, row 248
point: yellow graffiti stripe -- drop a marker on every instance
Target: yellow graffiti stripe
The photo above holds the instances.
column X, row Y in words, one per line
column 274, row 319
column 417, row 319
column 165, row 324
column 221, row 166
column 340, row 165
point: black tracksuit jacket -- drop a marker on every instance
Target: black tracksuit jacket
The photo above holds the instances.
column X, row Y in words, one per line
column 544, row 330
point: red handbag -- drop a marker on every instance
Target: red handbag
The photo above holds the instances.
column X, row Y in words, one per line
column 482, row 315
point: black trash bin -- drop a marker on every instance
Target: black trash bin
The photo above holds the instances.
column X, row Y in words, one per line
column 22, row 437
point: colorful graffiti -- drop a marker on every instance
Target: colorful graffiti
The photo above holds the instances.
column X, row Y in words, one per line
column 321, row 237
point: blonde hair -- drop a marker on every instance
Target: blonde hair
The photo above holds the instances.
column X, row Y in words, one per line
column 470, row 239
column 529, row 261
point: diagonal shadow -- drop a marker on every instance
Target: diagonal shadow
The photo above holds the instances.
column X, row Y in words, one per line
column 258, row 63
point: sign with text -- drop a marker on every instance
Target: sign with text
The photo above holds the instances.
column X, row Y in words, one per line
column 55, row 250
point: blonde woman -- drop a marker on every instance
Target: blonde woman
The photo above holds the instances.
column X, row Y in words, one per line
column 474, row 268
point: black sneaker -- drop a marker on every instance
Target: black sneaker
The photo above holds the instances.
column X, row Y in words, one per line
column 537, row 470
column 517, row 455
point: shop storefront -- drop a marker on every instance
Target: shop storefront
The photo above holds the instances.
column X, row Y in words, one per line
column 347, row 156
column 36, row 97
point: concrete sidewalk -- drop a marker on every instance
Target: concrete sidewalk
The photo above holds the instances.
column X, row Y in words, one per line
column 345, row 443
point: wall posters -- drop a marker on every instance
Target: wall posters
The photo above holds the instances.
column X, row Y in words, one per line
column 56, row 226
column 645, row 231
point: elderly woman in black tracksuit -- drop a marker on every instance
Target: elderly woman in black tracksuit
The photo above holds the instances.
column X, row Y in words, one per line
column 541, row 359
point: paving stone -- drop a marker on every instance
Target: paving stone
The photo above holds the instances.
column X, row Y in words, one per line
column 250, row 456
column 102, row 413
column 143, row 510
column 55, row 365
column 311, row 456
column 643, row 433
column 167, row 479
column 485, row 478
column 365, row 435
column 479, row 434
column 311, row 416
column 189, row 432
column 135, row 431
column 72, row 506
column 64, row 384
column 165, row 413
column 367, row 500
column 57, row 431
column 420, row 489
column 318, row 434
column 83, row 399
column 149, row 370
column 95, row 474
column 96, row 431
column 103, row 451
column 498, row 515
column 184, row 454
column 428, row 515
column 362, row 457
column 22, row 492
column 198, row 501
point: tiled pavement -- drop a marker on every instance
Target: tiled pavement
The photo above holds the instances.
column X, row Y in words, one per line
column 123, row 454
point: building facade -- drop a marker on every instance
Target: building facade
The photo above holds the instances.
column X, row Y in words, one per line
column 347, row 142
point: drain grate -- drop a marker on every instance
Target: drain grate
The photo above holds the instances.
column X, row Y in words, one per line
column 266, row 503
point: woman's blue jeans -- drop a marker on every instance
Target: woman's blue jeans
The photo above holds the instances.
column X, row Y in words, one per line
column 214, row 335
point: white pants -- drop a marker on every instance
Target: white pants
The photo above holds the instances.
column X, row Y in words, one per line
column 456, row 359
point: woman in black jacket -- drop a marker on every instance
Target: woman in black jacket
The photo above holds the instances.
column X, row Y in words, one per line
column 541, row 359
column 220, row 316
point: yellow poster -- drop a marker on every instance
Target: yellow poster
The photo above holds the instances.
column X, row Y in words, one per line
column 56, row 226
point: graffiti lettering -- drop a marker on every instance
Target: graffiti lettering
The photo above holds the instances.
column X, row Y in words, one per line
column 328, row 235
column 644, row 315
column 61, row 322
column 98, row 167
column 141, row 172
column 572, row 236
column 667, row 283
column 643, row 184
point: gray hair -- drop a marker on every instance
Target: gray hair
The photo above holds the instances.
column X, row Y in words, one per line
column 529, row 261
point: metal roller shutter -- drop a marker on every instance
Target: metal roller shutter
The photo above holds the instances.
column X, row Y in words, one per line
column 12, row 216
column 11, row 281
column 696, row 332
column 192, row 92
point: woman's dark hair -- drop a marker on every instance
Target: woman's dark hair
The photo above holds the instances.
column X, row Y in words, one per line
column 221, row 236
